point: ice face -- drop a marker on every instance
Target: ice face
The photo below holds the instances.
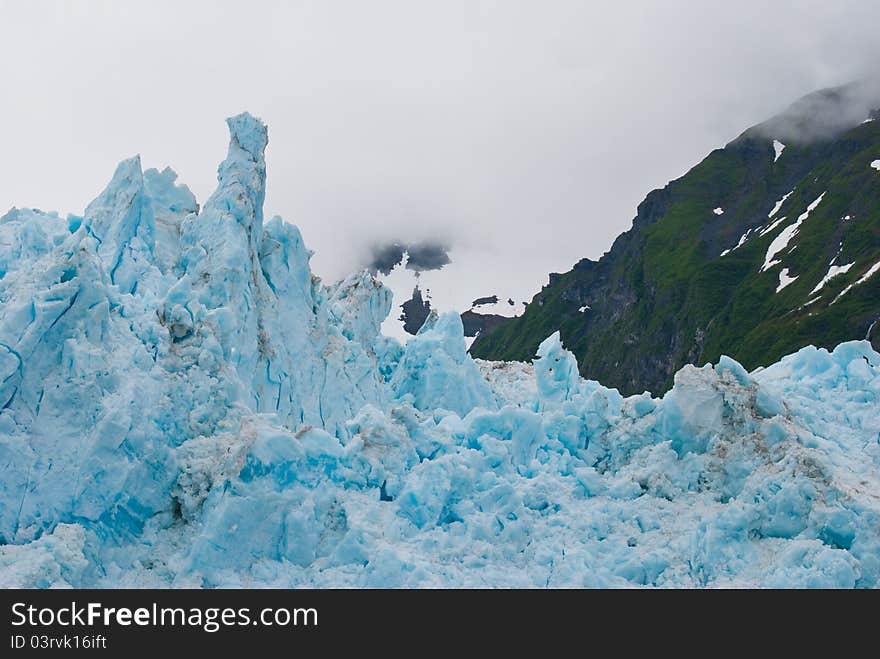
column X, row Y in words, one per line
column 435, row 371
column 556, row 372
column 183, row 403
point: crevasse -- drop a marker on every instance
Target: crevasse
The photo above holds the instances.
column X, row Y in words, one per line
column 182, row 402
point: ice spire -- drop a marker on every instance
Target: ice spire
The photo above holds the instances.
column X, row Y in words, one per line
column 220, row 248
column 122, row 221
column 241, row 178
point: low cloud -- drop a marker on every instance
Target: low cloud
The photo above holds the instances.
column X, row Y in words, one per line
column 825, row 113
column 420, row 256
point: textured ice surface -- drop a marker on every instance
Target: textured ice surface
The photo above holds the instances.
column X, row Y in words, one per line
column 183, row 403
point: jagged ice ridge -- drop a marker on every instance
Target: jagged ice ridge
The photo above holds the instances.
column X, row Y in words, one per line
column 183, row 403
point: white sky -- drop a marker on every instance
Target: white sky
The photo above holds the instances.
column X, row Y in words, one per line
column 524, row 133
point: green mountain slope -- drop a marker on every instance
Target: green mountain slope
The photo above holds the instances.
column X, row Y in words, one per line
column 664, row 295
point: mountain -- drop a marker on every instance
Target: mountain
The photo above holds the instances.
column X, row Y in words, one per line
column 770, row 244
column 184, row 403
column 487, row 313
column 414, row 312
column 483, row 314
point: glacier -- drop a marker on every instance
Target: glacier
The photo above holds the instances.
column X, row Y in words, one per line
column 184, row 403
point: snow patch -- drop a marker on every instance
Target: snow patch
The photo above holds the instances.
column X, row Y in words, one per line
column 772, row 226
column 781, row 241
column 833, row 271
column 718, row 211
column 742, row 241
column 778, row 205
column 870, row 273
column 839, row 250
column 861, row 280
column 778, row 148
column 506, row 307
column 784, row 279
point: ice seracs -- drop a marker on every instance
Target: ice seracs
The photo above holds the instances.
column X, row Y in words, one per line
column 183, row 403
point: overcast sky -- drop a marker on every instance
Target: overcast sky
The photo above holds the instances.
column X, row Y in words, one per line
column 523, row 133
